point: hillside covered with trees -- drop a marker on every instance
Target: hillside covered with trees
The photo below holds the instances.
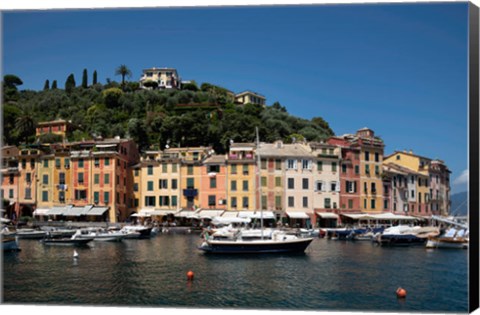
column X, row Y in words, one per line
column 192, row 116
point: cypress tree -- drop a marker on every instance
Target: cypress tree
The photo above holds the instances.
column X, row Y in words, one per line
column 47, row 85
column 70, row 83
column 54, row 85
column 94, row 77
column 85, row 79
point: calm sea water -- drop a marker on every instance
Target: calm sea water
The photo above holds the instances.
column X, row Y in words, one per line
column 332, row 275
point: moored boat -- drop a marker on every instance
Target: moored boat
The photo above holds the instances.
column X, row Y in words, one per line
column 136, row 231
column 30, row 234
column 100, row 235
column 452, row 238
column 66, row 241
column 245, row 241
column 403, row 235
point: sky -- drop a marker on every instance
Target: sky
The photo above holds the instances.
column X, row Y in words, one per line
column 398, row 69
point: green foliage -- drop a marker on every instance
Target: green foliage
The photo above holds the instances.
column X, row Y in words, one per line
column 111, row 96
column 25, row 124
column 154, row 117
column 94, row 80
column 10, row 91
column 150, row 84
column 123, row 71
column 54, row 85
column 11, row 81
column 47, row 85
column 50, row 138
column 85, row 79
column 70, row 83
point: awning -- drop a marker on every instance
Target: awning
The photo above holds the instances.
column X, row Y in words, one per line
column 76, row 211
column 246, row 214
column 106, row 145
column 297, row 215
column 327, row 215
column 184, row 214
column 208, row 214
column 230, row 214
column 162, row 212
column 97, row 210
column 256, row 214
column 229, row 220
column 143, row 213
column 41, row 211
column 56, row 211
column 359, row 216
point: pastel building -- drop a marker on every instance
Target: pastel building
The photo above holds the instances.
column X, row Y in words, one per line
column 249, row 97
column 59, row 127
column 428, row 183
column 272, row 177
column 213, row 183
column 158, row 181
column 191, row 174
column 299, row 182
column 162, row 78
column 10, row 175
column 241, row 177
column 27, row 191
column 327, row 170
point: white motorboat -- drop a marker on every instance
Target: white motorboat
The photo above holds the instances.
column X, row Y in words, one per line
column 100, row 235
column 453, row 238
column 30, row 234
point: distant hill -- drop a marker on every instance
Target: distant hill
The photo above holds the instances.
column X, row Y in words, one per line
column 459, row 204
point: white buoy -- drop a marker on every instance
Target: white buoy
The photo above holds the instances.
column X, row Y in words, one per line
column 75, row 254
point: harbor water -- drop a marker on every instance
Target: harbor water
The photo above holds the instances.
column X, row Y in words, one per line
column 331, row 275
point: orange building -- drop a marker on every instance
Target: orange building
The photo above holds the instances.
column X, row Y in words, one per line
column 213, row 185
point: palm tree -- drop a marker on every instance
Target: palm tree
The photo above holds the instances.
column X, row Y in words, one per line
column 25, row 124
column 124, row 72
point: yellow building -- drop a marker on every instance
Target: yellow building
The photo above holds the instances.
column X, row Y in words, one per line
column 241, row 177
column 157, row 182
column 428, row 183
column 162, row 78
column 249, row 97
column 371, row 159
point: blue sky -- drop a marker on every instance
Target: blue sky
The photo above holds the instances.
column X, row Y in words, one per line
column 399, row 69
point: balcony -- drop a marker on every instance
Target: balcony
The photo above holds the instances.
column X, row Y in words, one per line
column 190, row 192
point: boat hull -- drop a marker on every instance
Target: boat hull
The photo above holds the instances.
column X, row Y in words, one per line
column 447, row 242
column 255, row 247
column 67, row 241
column 400, row 240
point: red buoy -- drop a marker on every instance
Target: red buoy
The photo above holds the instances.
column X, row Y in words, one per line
column 190, row 275
column 401, row 293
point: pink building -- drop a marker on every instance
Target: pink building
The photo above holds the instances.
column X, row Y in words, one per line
column 213, row 181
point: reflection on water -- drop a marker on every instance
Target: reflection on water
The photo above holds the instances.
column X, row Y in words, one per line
column 331, row 275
